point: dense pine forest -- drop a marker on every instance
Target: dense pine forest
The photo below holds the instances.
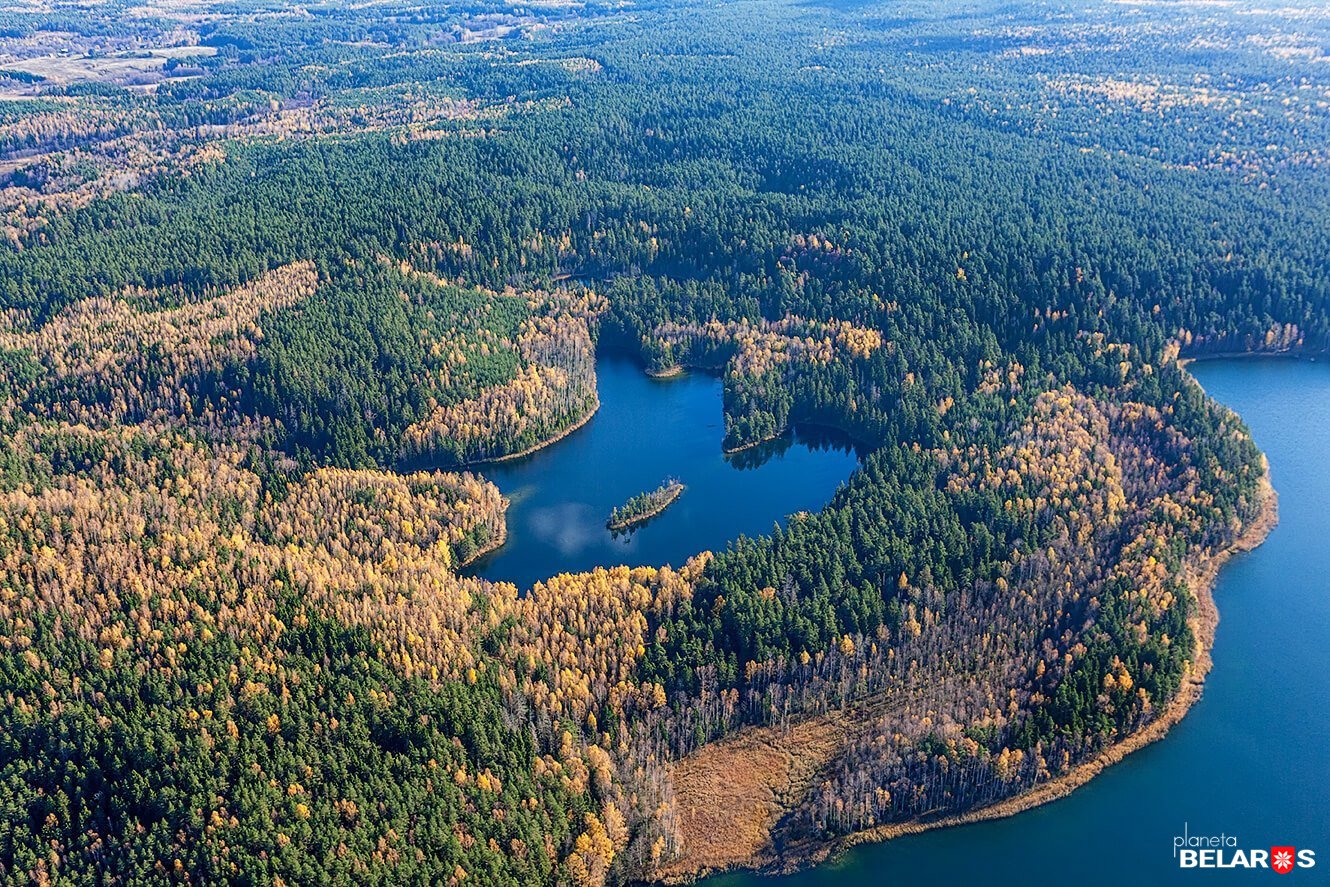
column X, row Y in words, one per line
column 277, row 282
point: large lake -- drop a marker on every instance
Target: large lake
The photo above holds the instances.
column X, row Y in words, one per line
column 1250, row 759
column 646, row 430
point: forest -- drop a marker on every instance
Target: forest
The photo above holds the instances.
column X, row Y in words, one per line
column 277, row 284
column 644, row 506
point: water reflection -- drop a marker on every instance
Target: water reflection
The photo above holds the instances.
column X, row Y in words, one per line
column 1249, row 758
column 561, row 497
column 813, row 437
column 567, row 527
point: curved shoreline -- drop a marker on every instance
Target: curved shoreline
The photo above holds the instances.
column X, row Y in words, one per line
column 730, row 451
column 1200, row 572
column 500, row 539
column 1200, row 577
column 859, row 445
column 1298, row 353
column 539, row 445
column 627, row 524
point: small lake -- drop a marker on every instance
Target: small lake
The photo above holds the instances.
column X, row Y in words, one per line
column 647, row 430
column 1249, row 760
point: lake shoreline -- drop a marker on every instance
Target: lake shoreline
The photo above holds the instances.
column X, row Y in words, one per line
column 1200, row 572
column 1200, row 576
column 500, row 539
column 1298, row 353
column 672, row 495
column 859, row 445
column 752, row 445
column 646, row 431
column 539, row 445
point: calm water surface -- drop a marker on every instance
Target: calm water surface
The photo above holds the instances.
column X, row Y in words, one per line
column 1250, row 759
column 647, row 430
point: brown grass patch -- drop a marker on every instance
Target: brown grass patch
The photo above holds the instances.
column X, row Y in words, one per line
column 730, row 794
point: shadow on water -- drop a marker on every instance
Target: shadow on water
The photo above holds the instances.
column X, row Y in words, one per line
column 561, row 496
column 1248, row 760
column 816, row 438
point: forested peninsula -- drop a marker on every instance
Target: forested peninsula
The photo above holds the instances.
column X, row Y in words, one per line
column 276, row 286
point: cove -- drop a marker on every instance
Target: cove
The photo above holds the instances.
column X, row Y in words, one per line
column 646, row 430
column 1247, row 760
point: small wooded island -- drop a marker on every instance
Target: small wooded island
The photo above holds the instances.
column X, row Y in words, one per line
column 644, row 506
column 267, row 293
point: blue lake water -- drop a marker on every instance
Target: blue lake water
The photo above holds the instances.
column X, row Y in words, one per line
column 646, row 430
column 1249, row 760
